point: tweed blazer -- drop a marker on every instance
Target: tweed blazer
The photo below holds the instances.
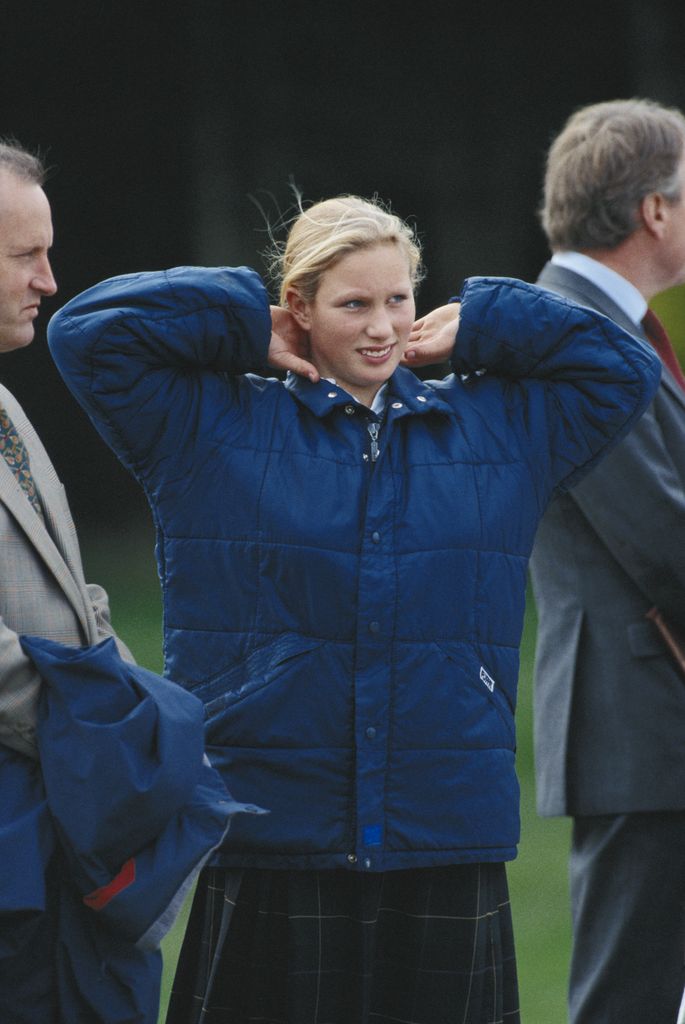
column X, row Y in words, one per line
column 609, row 701
column 42, row 587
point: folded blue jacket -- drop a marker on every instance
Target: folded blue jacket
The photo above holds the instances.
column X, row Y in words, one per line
column 125, row 797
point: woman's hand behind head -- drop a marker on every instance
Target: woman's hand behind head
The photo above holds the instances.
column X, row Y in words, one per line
column 289, row 345
column 433, row 336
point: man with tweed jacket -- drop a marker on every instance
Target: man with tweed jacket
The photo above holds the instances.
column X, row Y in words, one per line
column 42, row 587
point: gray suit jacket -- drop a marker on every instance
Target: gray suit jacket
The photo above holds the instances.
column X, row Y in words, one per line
column 42, row 587
column 609, row 702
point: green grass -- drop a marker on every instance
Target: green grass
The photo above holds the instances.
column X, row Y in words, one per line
column 538, row 877
column 124, row 565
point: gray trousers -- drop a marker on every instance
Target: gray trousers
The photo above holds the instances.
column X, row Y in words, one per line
column 627, row 877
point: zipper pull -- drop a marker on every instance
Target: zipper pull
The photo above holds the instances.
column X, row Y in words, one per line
column 373, row 429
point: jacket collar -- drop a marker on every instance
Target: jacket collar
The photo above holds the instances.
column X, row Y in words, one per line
column 406, row 395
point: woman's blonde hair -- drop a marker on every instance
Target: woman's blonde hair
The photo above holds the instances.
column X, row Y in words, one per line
column 326, row 231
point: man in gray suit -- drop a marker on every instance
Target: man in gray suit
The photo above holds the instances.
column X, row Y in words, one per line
column 609, row 697
column 42, row 587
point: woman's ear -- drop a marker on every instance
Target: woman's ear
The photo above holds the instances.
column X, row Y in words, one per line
column 299, row 308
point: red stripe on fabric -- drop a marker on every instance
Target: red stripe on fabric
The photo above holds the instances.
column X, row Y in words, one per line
column 99, row 898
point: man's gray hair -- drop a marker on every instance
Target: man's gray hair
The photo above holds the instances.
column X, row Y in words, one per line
column 606, row 159
column 20, row 162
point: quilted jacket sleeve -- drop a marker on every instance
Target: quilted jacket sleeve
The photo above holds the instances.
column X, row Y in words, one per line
column 585, row 382
column 145, row 354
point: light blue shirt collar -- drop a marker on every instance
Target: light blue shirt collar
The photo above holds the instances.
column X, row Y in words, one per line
column 617, row 287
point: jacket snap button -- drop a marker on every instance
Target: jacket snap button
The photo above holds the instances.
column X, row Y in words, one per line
column 351, row 858
column 349, row 409
column 367, row 862
column 396, row 405
column 374, row 627
column 421, row 398
column 332, row 394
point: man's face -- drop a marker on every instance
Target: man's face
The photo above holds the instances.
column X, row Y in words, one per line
column 673, row 242
column 25, row 273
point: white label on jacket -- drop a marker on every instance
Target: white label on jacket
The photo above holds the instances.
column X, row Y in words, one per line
column 487, row 679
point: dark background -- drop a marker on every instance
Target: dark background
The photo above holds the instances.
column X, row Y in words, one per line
column 166, row 129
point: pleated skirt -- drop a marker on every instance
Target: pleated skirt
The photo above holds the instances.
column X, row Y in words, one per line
column 422, row 946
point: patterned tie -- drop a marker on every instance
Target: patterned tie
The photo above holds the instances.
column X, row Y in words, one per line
column 656, row 332
column 16, row 456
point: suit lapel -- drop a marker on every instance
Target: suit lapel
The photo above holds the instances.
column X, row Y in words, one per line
column 55, row 542
column 672, row 386
column 585, row 293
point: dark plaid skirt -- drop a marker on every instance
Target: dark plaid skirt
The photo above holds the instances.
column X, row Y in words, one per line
column 423, row 946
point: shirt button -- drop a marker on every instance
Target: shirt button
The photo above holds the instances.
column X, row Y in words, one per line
column 349, row 409
column 374, row 627
column 376, row 537
column 396, row 405
column 371, row 733
column 351, row 858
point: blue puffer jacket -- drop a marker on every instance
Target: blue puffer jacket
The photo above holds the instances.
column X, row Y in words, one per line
column 352, row 625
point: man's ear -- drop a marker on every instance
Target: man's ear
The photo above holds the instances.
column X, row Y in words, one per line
column 654, row 212
column 299, row 308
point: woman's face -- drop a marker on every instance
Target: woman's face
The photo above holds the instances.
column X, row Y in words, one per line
column 360, row 318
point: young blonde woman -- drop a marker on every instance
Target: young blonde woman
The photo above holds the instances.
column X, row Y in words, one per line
column 343, row 557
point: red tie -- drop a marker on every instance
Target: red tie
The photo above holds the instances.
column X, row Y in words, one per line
column 655, row 331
